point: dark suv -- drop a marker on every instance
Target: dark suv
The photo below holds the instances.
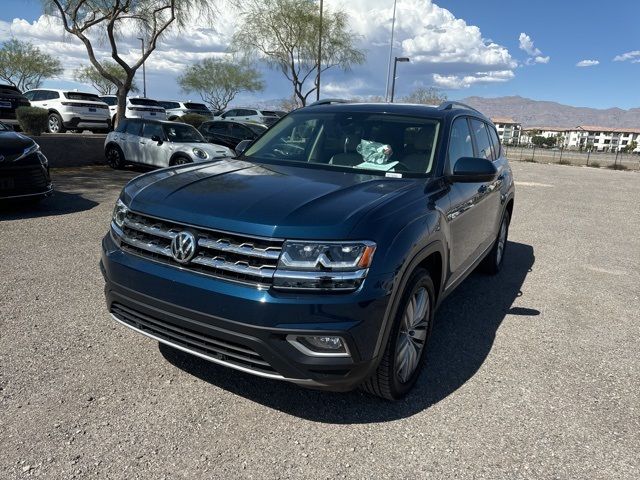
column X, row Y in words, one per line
column 321, row 253
column 10, row 100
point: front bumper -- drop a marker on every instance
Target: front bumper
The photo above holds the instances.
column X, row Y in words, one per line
column 26, row 179
column 242, row 327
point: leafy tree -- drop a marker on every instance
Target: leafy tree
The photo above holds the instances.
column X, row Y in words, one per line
column 25, row 66
column 630, row 147
column 284, row 34
column 218, row 81
column 89, row 74
column 103, row 21
column 538, row 140
column 426, row 96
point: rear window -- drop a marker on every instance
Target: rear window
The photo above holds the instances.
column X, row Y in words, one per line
column 111, row 101
column 196, row 106
column 270, row 113
column 9, row 90
column 87, row 97
column 169, row 105
column 144, row 101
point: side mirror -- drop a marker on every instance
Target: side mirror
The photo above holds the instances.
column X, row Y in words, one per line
column 242, row 146
column 156, row 138
column 471, row 170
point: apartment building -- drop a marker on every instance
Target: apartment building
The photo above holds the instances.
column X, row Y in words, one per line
column 508, row 130
column 561, row 133
column 602, row 139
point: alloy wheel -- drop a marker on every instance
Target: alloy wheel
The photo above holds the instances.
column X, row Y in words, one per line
column 54, row 124
column 113, row 157
column 412, row 334
column 502, row 240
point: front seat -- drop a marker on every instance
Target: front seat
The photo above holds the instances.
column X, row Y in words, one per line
column 420, row 160
column 350, row 157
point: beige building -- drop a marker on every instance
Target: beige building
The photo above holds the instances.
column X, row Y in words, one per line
column 508, row 130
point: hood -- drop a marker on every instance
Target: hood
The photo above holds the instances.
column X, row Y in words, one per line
column 262, row 200
column 13, row 145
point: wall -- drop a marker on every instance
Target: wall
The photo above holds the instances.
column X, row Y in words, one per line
column 72, row 150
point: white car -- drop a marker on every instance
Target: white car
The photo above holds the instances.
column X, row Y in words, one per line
column 177, row 109
column 71, row 110
column 266, row 117
column 137, row 107
column 159, row 143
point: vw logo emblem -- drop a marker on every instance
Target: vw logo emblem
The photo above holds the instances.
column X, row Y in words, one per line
column 183, row 247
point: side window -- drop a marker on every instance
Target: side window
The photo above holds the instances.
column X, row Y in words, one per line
column 150, row 129
column 37, row 95
column 133, row 128
column 460, row 144
column 246, row 113
column 485, row 150
column 28, row 95
column 122, row 126
column 497, row 148
column 219, row 128
column 230, row 113
column 238, row 131
column 53, row 95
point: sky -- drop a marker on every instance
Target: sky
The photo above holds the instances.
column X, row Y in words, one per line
column 576, row 52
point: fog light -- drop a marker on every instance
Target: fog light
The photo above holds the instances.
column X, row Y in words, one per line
column 320, row 345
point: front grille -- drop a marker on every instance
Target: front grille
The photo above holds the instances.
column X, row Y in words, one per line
column 207, row 345
column 22, row 180
column 219, row 254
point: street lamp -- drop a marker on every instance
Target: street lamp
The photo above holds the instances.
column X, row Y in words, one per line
column 395, row 66
column 319, row 54
column 144, row 73
column 393, row 29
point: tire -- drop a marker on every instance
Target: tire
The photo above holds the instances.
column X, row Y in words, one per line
column 180, row 160
column 115, row 157
column 54, row 124
column 397, row 373
column 492, row 263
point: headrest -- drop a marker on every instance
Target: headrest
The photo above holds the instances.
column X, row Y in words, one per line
column 351, row 142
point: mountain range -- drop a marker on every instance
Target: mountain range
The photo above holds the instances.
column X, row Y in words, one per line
column 537, row 113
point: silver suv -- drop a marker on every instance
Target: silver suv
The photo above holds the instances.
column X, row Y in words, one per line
column 159, row 143
column 266, row 117
column 136, row 107
column 178, row 109
column 71, row 110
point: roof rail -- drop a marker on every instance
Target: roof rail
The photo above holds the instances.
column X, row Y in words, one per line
column 328, row 101
column 448, row 105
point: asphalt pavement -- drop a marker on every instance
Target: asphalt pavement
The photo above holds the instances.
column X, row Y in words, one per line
column 532, row 374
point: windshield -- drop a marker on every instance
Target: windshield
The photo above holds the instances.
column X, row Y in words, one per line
column 359, row 141
column 169, row 105
column 144, row 101
column 87, row 97
column 196, row 106
column 109, row 100
column 183, row 133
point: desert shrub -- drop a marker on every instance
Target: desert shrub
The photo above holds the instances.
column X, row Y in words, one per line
column 594, row 164
column 529, row 160
column 617, row 166
column 32, row 120
column 564, row 161
column 193, row 119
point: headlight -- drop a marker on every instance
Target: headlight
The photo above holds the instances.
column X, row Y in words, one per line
column 119, row 213
column 323, row 265
column 198, row 152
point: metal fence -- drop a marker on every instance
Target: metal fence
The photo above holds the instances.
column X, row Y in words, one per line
column 627, row 161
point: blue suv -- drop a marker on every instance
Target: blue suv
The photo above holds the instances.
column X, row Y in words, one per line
column 320, row 254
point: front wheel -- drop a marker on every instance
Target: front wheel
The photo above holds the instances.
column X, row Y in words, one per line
column 403, row 357
column 181, row 160
column 115, row 157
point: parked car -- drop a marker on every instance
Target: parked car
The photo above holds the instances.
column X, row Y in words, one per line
column 158, row 143
column 321, row 253
column 71, row 110
column 10, row 100
column 137, row 107
column 178, row 109
column 24, row 170
column 266, row 117
column 230, row 133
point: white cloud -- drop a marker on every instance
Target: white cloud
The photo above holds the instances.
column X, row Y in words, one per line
column 587, row 63
column 535, row 55
column 634, row 56
column 444, row 50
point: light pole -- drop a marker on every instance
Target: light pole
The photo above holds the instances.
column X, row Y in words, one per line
column 144, row 73
column 393, row 28
column 319, row 55
column 395, row 66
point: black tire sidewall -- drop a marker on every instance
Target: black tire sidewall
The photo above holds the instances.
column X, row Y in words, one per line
column 419, row 278
column 120, row 162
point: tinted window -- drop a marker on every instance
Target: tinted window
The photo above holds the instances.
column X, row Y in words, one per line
column 485, row 150
column 495, row 141
column 196, row 106
column 151, row 128
column 133, row 127
column 169, row 105
column 111, row 101
column 9, row 90
column 217, row 127
column 230, row 113
column 51, row 95
column 89, row 97
column 28, row 95
column 460, row 144
column 122, row 126
column 247, row 113
column 238, row 131
column 144, row 101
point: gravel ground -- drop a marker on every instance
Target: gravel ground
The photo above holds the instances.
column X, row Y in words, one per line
column 531, row 374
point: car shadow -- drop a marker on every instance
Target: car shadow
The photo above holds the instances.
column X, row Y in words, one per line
column 60, row 203
column 464, row 332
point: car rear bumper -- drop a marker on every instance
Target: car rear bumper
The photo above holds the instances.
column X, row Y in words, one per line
column 244, row 328
column 88, row 123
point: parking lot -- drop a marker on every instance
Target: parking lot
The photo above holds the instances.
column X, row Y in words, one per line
column 530, row 374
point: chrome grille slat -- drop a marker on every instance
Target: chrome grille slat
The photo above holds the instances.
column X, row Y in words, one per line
column 220, row 254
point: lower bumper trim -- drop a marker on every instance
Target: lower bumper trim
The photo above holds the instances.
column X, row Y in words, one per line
column 273, row 376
